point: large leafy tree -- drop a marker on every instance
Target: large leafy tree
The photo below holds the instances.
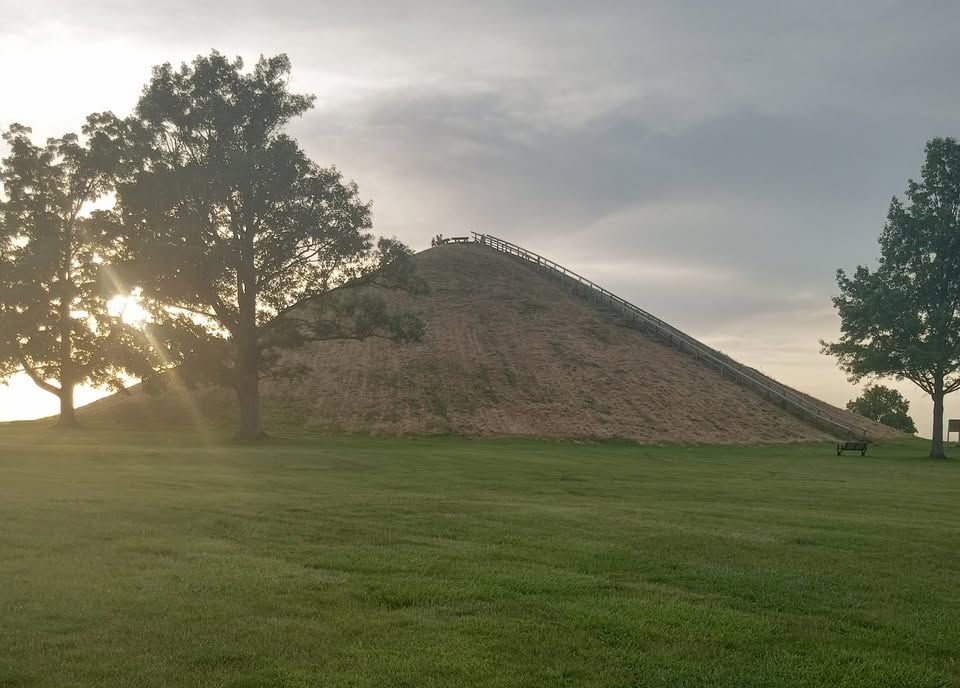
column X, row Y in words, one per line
column 55, row 323
column 884, row 405
column 902, row 320
column 227, row 223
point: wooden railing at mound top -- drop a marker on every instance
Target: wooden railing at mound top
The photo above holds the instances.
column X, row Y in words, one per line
column 765, row 386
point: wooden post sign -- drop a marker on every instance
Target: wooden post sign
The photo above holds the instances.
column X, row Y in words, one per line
column 953, row 426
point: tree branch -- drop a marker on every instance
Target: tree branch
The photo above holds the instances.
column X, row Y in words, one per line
column 921, row 382
column 195, row 311
column 223, row 313
column 37, row 379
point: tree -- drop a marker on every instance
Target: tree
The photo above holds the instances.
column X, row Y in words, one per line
column 227, row 223
column 55, row 323
column 884, row 405
column 902, row 320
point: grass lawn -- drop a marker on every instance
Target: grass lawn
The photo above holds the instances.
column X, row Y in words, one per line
column 153, row 560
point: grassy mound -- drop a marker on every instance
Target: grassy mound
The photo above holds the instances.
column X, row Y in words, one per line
column 507, row 352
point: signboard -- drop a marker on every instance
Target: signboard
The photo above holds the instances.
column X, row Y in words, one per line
column 953, row 426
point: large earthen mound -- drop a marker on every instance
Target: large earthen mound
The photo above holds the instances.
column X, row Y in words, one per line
column 507, row 352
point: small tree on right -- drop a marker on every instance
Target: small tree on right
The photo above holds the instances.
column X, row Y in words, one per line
column 902, row 320
column 884, row 405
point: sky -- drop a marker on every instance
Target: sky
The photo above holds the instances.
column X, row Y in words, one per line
column 713, row 162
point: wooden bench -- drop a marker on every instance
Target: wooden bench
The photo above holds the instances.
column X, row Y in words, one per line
column 852, row 446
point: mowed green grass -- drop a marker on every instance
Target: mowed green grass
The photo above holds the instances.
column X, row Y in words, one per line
column 153, row 560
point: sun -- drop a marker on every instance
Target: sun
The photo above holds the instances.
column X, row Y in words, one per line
column 127, row 308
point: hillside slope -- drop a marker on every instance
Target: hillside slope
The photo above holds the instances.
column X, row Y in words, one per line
column 507, row 352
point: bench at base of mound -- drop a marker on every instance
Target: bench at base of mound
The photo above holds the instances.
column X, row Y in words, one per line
column 852, row 446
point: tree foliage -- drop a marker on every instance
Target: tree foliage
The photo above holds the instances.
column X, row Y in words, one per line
column 902, row 320
column 884, row 405
column 55, row 324
column 225, row 223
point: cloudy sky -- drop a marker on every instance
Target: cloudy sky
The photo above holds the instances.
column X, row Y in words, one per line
column 714, row 162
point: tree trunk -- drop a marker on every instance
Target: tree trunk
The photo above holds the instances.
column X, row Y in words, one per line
column 936, row 448
column 248, row 353
column 248, row 379
column 248, row 401
column 68, row 416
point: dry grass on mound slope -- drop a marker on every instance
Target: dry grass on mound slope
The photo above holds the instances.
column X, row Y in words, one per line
column 507, row 352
